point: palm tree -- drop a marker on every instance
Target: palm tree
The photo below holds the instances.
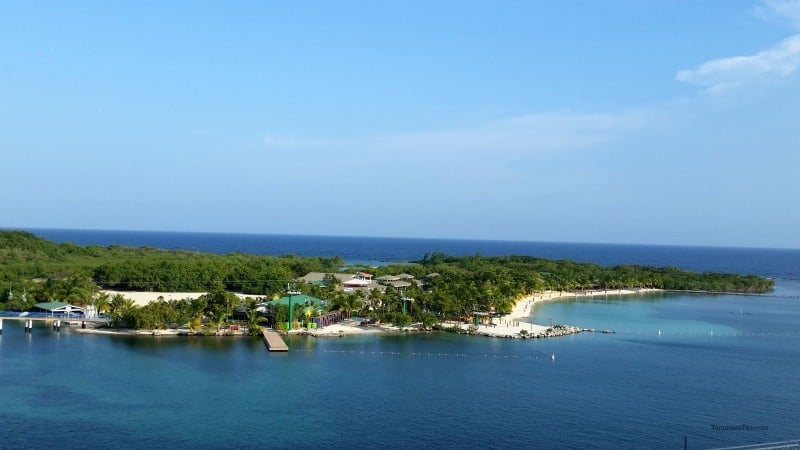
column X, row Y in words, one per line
column 195, row 324
column 218, row 319
column 49, row 290
column 121, row 308
column 503, row 304
column 308, row 311
column 254, row 319
column 101, row 302
column 74, row 289
column 351, row 302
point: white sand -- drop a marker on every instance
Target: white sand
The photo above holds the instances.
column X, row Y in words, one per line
column 142, row 298
column 350, row 327
column 524, row 305
column 511, row 326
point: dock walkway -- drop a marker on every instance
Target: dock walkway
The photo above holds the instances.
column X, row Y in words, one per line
column 274, row 341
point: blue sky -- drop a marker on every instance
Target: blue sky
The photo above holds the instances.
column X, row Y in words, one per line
column 618, row 121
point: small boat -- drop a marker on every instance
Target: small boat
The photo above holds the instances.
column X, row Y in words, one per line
column 659, row 332
column 553, row 356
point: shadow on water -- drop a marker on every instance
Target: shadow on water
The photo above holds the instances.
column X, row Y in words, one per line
column 208, row 343
column 168, row 345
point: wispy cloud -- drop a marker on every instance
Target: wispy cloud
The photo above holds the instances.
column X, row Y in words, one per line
column 782, row 10
column 725, row 73
column 529, row 136
column 296, row 143
column 780, row 61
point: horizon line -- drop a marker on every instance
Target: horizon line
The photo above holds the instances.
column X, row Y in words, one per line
column 473, row 239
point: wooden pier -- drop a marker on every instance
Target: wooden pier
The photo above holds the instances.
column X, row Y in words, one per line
column 274, row 341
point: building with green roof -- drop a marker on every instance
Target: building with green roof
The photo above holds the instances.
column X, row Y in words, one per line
column 299, row 299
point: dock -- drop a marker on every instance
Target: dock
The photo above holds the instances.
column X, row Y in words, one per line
column 274, row 341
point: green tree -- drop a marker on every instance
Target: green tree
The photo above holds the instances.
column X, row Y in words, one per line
column 254, row 321
column 122, row 311
column 350, row 303
column 100, row 301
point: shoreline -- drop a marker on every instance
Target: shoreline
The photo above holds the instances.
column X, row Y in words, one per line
column 507, row 326
column 169, row 332
column 510, row 326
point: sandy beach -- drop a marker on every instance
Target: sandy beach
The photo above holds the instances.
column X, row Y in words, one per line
column 350, row 327
column 524, row 305
column 510, row 325
column 142, row 298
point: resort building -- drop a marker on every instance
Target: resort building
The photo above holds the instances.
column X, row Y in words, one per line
column 59, row 309
column 364, row 276
column 357, row 283
column 319, row 277
column 312, row 306
column 399, row 285
column 386, row 279
column 358, row 280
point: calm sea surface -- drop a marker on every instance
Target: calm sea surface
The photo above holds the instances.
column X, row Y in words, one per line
column 768, row 262
column 719, row 362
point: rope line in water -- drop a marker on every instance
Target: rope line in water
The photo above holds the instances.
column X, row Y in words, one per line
column 710, row 333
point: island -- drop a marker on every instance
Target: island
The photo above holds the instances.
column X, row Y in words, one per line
column 152, row 291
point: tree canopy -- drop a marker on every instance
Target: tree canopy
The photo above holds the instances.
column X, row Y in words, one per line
column 33, row 269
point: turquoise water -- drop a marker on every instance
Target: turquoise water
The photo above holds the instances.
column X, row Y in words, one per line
column 672, row 315
column 629, row 389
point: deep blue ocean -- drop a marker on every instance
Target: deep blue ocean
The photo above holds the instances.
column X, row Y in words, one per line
column 775, row 263
column 724, row 371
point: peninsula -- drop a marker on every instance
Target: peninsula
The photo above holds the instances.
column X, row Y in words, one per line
column 204, row 293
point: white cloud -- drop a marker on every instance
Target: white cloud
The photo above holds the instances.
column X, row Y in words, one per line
column 780, row 10
column 518, row 137
column 720, row 74
column 289, row 143
column 501, row 140
column 779, row 61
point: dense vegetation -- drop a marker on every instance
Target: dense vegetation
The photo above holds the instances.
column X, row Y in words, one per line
column 460, row 285
column 33, row 269
column 47, row 270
